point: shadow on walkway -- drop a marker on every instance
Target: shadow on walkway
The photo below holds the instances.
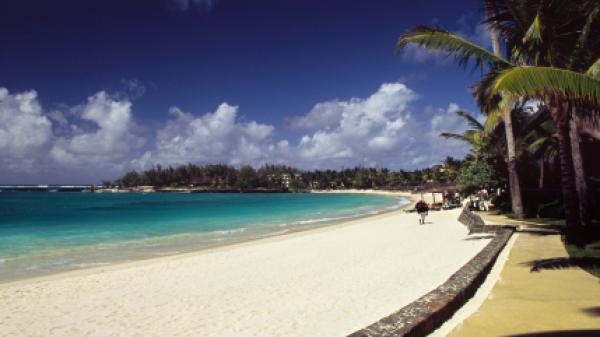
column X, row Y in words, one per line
column 561, row 333
column 563, row 263
column 593, row 311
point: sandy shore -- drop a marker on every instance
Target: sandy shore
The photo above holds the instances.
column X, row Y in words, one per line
column 325, row 282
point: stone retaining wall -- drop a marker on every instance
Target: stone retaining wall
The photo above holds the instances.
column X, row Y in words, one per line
column 427, row 313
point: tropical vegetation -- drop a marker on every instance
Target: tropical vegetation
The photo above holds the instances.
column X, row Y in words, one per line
column 283, row 178
column 546, row 54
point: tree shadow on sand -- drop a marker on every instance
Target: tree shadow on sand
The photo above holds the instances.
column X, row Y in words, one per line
column 563, row 263
column 561, row 333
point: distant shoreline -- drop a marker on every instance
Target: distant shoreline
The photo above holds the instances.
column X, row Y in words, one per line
column 153, row 189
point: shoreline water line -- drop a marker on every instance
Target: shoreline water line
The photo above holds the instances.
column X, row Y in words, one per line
column 78, row 258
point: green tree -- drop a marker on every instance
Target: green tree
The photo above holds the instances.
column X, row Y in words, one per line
column 474, row 176
column 247, row 178
column 131, row 179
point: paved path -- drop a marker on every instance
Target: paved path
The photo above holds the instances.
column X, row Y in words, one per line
column 563, row 302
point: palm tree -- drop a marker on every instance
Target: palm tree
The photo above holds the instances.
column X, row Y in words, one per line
column 542, row 144
column 528, row 41
column 561, row 34
column 463, row 52
column 473, row 136
column 484, row 143
column 562, row 90
column 515, row 186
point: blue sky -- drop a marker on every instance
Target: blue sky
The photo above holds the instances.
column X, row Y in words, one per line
column 90, row 89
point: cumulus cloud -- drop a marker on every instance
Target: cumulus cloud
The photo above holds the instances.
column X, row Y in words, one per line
column 24, row 130
column 215, row 137
column 109, row 144
column 91, row 137
column 97, row 138
column 356, row 129
column 382, row 129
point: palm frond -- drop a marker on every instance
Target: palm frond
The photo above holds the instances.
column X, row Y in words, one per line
column 544, row 81
column 594, row 70
column 451, row 44
column 534, row 33
column 456, row 136
column 581, row 47
column 494, row 116
column 471, row 120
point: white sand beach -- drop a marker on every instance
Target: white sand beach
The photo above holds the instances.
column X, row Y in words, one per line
column 324, row 282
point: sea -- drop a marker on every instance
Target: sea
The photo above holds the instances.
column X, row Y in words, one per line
column 44, row 233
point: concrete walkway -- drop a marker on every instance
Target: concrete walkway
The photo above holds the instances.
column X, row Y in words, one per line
column 559, row 302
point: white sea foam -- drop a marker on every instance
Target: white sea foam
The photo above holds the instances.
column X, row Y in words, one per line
column 91, row 264
column 230, row 231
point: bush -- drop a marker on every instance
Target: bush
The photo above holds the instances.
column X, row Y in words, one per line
column 474, row 176
column 553, row 209
column 502, row 202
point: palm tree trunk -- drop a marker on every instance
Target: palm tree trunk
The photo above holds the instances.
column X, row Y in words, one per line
column 580, row 177
column 513, row 177
column 493, row 34
column 567, row 174
column 541, row 179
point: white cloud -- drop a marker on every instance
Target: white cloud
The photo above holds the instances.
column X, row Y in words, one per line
column 215, row 137
column 357, row 131
column 382, row 130
column 324, row 115
column 109, row 144
column 379, row 130
column 97, row 138
column 73, row 143
column 24, row 130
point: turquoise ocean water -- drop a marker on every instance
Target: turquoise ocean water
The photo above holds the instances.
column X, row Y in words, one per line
column 43, row 233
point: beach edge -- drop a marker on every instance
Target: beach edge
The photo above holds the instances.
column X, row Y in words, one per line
column 429, row 312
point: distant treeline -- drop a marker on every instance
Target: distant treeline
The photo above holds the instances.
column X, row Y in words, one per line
column 281, row 177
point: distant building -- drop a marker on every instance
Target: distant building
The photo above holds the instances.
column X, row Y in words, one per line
column 284, row 178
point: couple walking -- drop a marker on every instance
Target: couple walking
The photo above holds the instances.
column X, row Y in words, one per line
column 422, row 210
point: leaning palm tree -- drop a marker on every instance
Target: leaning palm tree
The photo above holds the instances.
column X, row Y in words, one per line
column 463, row 52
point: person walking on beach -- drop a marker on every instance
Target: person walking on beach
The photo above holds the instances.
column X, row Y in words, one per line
column 422, row 210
